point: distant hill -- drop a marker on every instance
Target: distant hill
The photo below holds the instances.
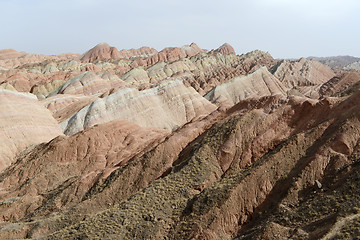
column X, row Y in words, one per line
column 182, row 143
column 336, row 61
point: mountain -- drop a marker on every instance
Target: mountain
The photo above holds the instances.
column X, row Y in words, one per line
column 9, row 54
column 302, row 72
column 24, row 122
column 104, row 51
column 353, row 66
column 336, row 62
column 168, row 105
column 181, row 143
column 257, row 84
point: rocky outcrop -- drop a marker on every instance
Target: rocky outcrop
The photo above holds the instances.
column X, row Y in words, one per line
column 89, row 83
column 46, row 89
column 213, row 70
column 27, row 59
column 302, row 73
column 63, row 106
column 136, row 76
column 24, row 122
column 165, row 55
column 140, row 52
column 194, row 186
column 258, row 84
column 170, row 105
column 225, row 178
column 85, row 157
column 225, row 49
column 148, row 157
column 341, row 85
column 191, row 50
column 353, row 66
column 102, row 51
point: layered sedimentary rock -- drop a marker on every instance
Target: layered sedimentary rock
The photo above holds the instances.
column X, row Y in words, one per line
column 353, row 66
column 283, row 158
column 136, row 75
column 341, row 85
column 258, row 84
column 336, row 62
column 215, row 69
column 165, row 55
column 46, row 89
column 208, row 192
column 274, row 154
column 170, row 105
column 62, row 106
column 302, row 73
column 89, row 83
column 10, row 53
column 140, row 52
column 191, row 50
column 86, row 157
column 35, row 59
column 225, row 49
column 23, row 122
column 102, row 51
column 43, row 75
column 7, row 86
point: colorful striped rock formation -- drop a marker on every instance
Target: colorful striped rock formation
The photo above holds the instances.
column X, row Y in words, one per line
column 182, row 143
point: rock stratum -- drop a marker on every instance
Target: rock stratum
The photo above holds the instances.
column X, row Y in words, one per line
column 24, row 122
column 182, row 143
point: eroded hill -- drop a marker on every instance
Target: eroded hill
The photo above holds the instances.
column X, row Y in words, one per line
column 183, row 143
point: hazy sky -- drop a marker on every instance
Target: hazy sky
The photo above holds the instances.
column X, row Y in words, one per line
column 285, row 28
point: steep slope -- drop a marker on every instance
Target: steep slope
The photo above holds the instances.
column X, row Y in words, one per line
column 258, row 84
column 153, row 212
column 353, row 66
column 274, row 154
column 102, row 51
column 213, row 70
column 170, row 105
column 140, row 52
column 191, row 50
column 89, row 83
column 231, row 174
column 63, row 106
column 341, row 85
column 165, row 55
column 143, row 67
column 23, row 122
column 302, row 73
column 59, row 173
column 225, row 49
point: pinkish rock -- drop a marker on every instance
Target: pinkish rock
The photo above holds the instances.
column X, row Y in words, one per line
column 302, row 72
column 23, row 122
column 102, row 51
column 225, row 49
column 10, row 53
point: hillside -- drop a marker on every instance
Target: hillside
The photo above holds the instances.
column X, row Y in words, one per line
column 182, row 143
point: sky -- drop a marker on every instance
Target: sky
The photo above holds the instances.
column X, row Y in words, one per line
column 285, row 28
